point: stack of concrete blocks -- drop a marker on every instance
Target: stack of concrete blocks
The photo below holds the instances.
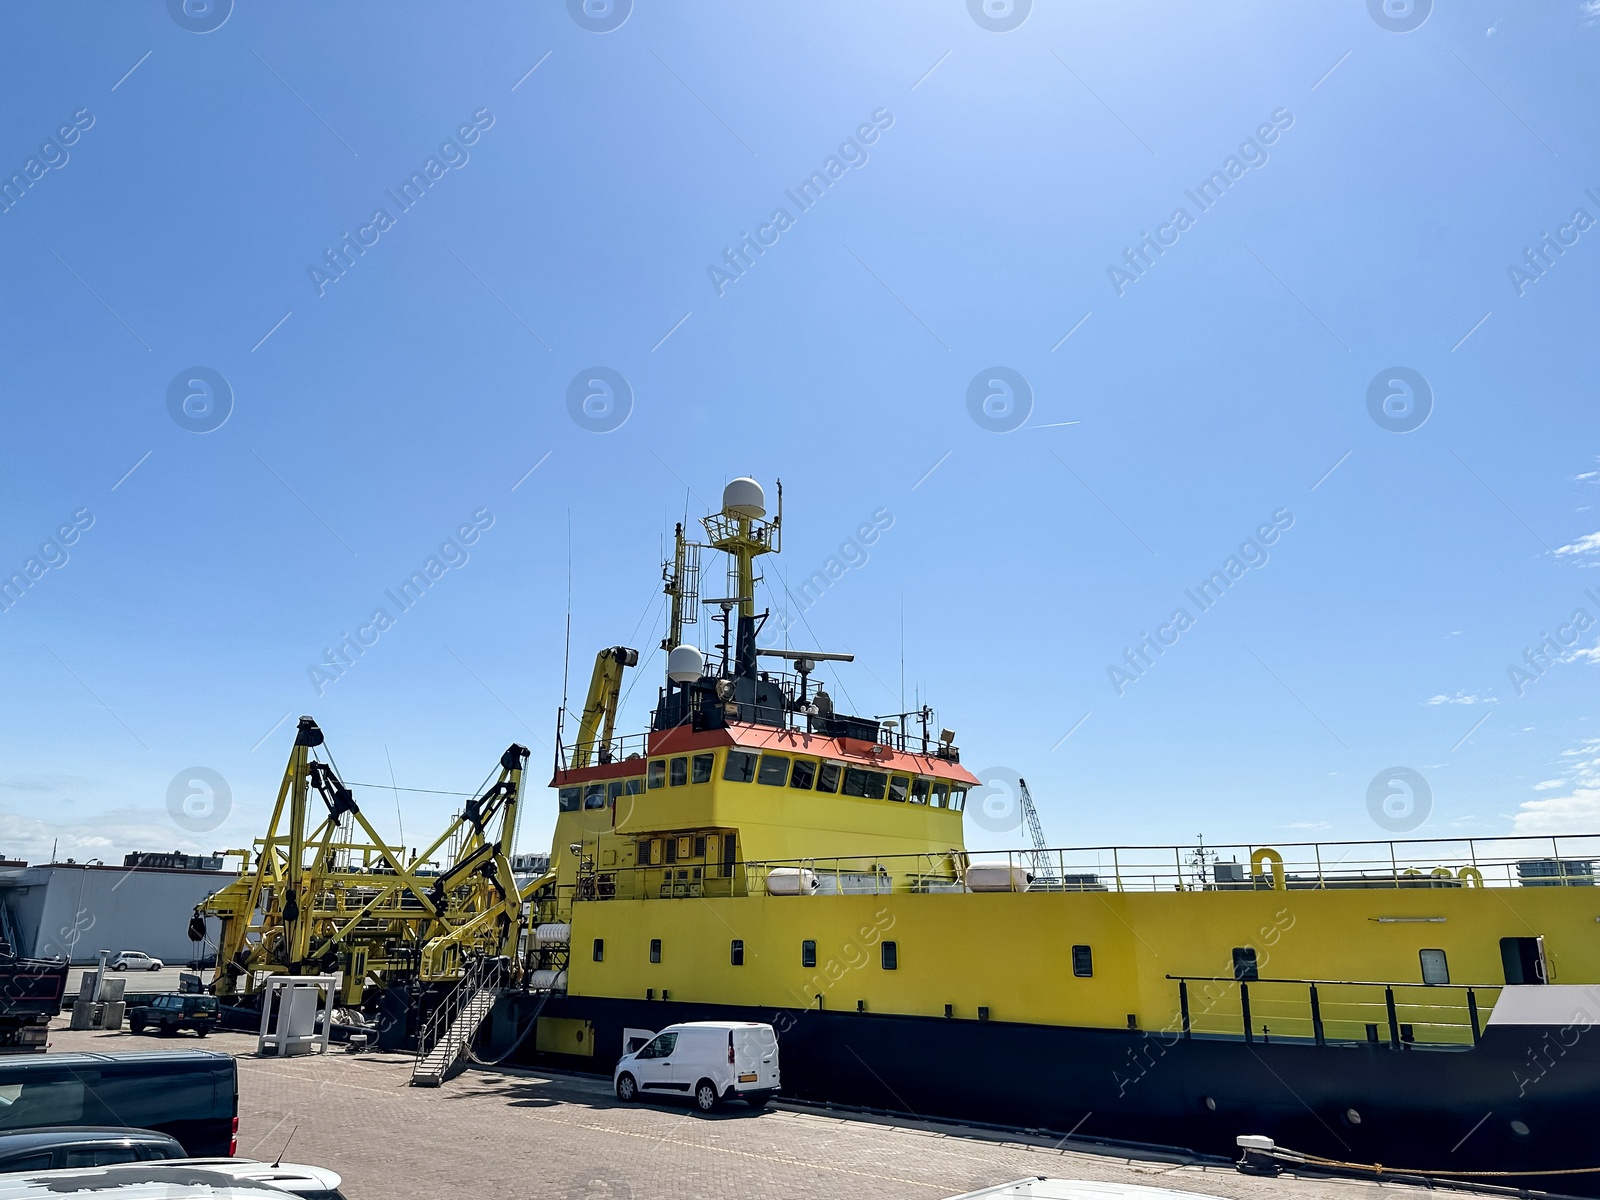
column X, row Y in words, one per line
column 106, row 1012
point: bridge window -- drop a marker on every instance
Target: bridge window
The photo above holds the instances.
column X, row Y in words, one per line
column 644, row 852
column 804, row 774
column 1435, row 967
column 1082, row 961
column 859, row 782
column 808, row 953
column 736, row 952
column 828, row 777
column 633, row 785
column 890, row 955
column 941, row 793
column 958, row 798
column 1244, row 963
column 569, row 799
column 774, row 770
column 613, row 790
column 702, row 768
column 594, row 795
column 599, row 949
column 655, row 950
column 898, row 786
column 658, row 773
column 679, row 773
column 740, row 768
column 919, row 791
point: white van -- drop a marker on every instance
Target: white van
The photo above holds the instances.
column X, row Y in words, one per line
column 708, row 1060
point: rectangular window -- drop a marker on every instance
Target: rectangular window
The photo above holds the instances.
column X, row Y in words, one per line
column 594, row 795
column 1082, row 962
column 658, row 773
column 828, row 777
column 941, row 793
column 701, row 772
column 679, row 774
column 1435, row 969
column 700, row 846
column 808, row 953
column 728, row 853
column 1244, row 963
column 644, row 852
column 899, row 787
column 613, row 790
column 671, row 848
column 804, row 774
column 655, row 950
column 633, row 785
column 920, row 790
column 740, row 767
column 859, row 782
column 599, row 949
column 890, row 955
column 774, row 771
column 736, row 954
column 569, row 799
column 958, row 798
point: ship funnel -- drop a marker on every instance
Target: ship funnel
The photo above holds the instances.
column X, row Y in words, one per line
column 743, row 497
column 685, row 664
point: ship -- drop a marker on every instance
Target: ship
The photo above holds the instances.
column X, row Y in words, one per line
column 759, row 854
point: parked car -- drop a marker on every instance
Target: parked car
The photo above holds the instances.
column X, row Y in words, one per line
column 169, row 1013
column 193, row 1095
column 53, row 1147
column 308, row 1183
column 133, row 1181
column 709, row 1061
column 135, row 960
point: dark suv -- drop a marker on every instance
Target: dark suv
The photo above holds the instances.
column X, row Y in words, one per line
column 174, row 1011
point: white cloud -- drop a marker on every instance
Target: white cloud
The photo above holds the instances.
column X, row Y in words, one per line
column 1548, row 784
column 1589, row 543
column 1463, row 698
column 104, row 835
column 1308, row 825
column 1577, row 812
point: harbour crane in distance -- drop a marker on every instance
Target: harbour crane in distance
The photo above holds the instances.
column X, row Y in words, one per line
column 1040, row 855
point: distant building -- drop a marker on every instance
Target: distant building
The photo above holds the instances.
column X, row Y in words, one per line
column 74, row 910
column 525, row 868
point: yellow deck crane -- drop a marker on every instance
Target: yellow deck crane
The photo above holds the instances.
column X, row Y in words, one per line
column 322, row 892
column 599, row 722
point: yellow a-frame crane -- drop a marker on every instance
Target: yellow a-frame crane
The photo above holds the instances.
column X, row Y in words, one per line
column 322, row 892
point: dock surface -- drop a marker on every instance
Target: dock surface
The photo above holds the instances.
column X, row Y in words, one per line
column 516, row 1133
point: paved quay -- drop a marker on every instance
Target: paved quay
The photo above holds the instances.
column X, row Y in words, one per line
column 503, row 1133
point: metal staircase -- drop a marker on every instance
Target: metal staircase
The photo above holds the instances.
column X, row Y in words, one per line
column 448, row 1034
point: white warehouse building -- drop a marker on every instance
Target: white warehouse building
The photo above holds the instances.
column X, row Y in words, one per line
column 75, row 910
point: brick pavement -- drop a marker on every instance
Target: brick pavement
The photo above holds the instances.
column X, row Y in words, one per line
column 501, row 1133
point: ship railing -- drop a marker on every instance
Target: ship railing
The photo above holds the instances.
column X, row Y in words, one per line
column 1419, row 864
column 623, row 746
column 1323, row 1012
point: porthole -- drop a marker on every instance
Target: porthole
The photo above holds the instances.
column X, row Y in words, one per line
column 1211, row 1104
column 1518, row 1128
column 1352, row 1116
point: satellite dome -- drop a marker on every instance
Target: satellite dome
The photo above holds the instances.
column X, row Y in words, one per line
column 685, row 664
column 743, row 497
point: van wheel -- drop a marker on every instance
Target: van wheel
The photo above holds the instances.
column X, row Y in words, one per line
column 627, row 1088
column 705, row 1095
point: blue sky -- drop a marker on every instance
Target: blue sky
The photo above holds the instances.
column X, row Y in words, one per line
column 186, row 219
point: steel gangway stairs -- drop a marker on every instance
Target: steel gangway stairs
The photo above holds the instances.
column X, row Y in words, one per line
column 445, row 1042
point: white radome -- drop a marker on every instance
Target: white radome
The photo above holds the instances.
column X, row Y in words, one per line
column 685, row 664
column 743, row 497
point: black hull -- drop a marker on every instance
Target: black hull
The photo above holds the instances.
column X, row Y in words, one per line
column 1432, row 1111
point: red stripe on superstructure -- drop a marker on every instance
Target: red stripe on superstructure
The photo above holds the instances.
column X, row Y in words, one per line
column 684, row 739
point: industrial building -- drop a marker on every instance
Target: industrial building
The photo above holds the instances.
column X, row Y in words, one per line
column 74, row 910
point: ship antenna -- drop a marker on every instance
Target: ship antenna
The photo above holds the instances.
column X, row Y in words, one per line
column 566, row 656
